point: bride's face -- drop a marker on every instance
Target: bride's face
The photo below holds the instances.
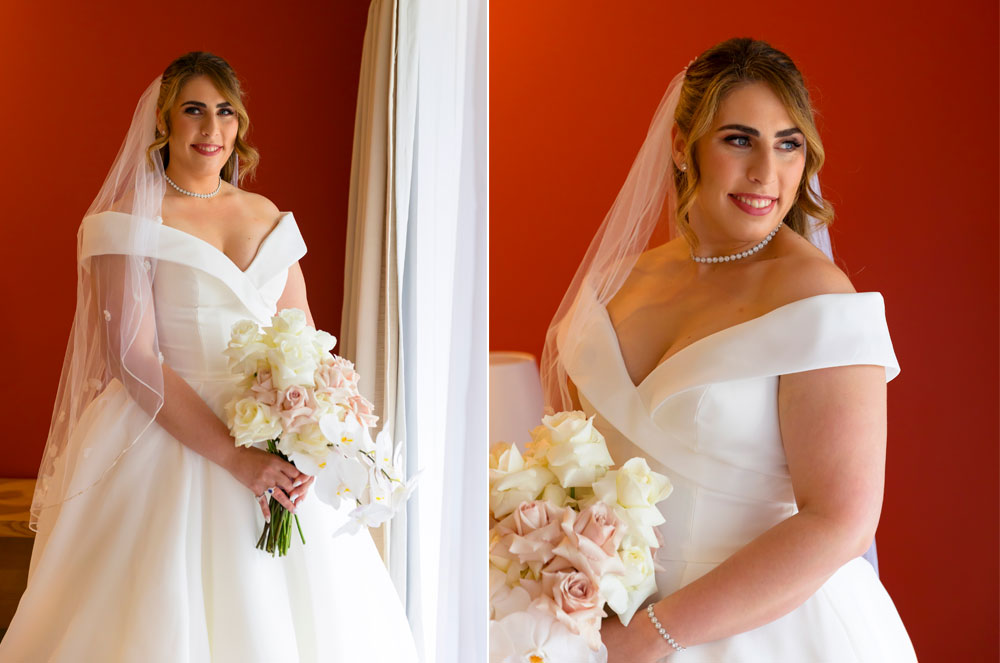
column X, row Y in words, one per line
column 203, row 127
column 751, row 163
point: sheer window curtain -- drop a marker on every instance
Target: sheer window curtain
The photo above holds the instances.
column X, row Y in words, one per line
column 416, row 302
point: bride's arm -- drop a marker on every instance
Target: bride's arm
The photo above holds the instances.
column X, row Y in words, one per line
column 294, row 295
column 833, row 425
column 183, row 413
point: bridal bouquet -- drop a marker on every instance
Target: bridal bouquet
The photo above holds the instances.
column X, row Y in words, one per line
column 302, row 402
column 568, row 536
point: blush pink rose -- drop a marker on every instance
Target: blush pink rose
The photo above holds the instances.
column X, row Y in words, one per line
column 573, row 598
column 580, row 552
column 263, row 388
column 363, row 410
column 346, row 369
column 532, row 531
column 294, row 408
column 336, row 373
column 599, row 523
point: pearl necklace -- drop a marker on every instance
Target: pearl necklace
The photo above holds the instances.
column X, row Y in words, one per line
column 737, row 256
column 192, row 193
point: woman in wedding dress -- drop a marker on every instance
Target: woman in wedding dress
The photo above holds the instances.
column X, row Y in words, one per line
column 146, row 511
column 740, row 361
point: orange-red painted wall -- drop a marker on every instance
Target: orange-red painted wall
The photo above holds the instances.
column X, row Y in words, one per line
column 70, row 75
column 908, row 99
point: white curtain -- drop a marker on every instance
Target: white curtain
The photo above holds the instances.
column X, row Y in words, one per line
column 415, row 308
column 443, row 199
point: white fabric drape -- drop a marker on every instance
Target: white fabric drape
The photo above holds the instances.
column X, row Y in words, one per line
column 444, row 318
column 415, row 308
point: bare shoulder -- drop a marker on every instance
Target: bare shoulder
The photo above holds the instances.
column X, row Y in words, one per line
column 800, row 271
column 258, row 206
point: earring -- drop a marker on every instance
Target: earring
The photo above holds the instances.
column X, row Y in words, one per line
column 684, row 167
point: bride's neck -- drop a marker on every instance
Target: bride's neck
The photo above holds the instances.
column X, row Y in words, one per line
column 197, row 183
column 713, row 240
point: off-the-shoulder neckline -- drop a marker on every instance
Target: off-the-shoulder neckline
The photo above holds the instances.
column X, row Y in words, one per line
column 285, row 216
column 690, row 347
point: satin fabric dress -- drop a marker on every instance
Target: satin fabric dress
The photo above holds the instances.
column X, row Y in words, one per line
column 707, row 417
column 157, row 562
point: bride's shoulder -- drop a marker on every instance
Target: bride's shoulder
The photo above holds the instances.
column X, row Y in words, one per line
column 800, row 271
column 257, row 205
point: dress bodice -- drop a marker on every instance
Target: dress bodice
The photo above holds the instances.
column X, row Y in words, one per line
column 707, row 417
column 198, row 292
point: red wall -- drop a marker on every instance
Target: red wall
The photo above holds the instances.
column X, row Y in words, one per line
column 71, row 75
column 908, row 102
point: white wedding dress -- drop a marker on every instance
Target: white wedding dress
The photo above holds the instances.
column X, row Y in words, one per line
column 707, row 418
column 156, row 563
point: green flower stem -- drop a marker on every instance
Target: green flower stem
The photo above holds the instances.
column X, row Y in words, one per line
column 299, row 527
column 276, row 537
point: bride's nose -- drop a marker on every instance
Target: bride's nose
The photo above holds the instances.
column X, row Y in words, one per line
column 210, row 126
column 762, row 167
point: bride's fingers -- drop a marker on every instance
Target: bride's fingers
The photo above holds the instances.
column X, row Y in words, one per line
column 301, row 490
column 301, row 479
column 282, row 481
column 289, row 470
column 264, row 509
column 283, row 500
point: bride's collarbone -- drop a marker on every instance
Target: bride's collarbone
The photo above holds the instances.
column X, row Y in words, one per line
column 657, row 318
column 231, row 226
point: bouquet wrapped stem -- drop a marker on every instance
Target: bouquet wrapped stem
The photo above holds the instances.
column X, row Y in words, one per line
column 276, row 536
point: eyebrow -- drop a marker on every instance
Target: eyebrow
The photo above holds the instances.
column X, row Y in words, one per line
column 754, row 132
column 202, row 105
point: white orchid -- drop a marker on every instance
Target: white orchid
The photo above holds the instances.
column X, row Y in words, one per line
column 534, row 636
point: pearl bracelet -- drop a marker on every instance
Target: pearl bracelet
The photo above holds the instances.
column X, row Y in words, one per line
column 663, row 632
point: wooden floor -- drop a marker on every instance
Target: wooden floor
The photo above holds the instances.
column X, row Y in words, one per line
column 15, row 544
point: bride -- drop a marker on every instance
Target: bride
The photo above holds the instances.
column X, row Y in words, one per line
column 146, row 511
column 741, row 362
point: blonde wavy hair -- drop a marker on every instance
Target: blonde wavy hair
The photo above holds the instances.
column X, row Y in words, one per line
column 714, row 74
column 179, row 72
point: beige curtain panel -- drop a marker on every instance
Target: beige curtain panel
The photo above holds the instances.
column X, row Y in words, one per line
column 369, row 333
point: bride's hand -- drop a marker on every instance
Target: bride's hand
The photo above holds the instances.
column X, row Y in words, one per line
column 638, row 642
column 259, row 470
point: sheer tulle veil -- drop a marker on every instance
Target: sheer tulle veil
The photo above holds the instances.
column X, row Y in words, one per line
column 113, row 337
column 647, row 198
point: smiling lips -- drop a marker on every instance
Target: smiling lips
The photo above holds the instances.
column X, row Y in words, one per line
column 753, row 204
column 207, row 149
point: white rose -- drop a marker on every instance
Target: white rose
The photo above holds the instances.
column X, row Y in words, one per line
column 250, row 421
column 324, row 341
column 639, row 486
column 572, row 448
column 634, row 490
column 513, row 481
column 555, row 494
column 626, row 593
column 288, row 321
column 293, row 361
column 246, row 346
